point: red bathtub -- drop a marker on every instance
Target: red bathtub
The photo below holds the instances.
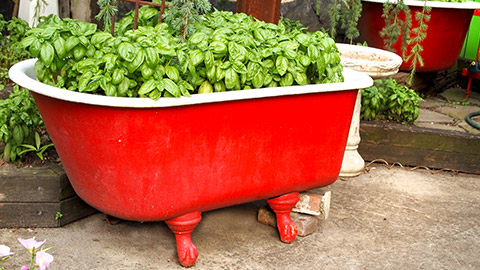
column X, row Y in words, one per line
column 171, row 159
column 446, row 31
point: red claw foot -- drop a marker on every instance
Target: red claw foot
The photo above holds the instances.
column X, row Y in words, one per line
column 182, row 227
column 282, row 206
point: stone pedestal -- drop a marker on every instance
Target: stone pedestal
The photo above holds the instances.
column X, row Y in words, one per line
column 353, row 163
column 376, row 63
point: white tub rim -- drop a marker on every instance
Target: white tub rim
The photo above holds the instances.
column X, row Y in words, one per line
column 433, row 4
column 23, row 74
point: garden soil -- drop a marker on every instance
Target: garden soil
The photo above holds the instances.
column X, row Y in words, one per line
column 384, row 219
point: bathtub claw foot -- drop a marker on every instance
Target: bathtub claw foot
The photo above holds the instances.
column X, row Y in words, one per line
column 182, row 227
column 282, row 206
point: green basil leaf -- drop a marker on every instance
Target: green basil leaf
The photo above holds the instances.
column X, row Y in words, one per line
column 127, row 51
column 286, row 80
column 196, row 57
column 258, row 80
column 123, row 87
column 209, row 59
column 79, row 52
column 197, row 38
column 147, row 87
column 27, row 41
column 231, row 78
column 151, row 57
column 172, row 73
column 72, row 42
column 172, row 88
column 59, row 45
column 206, row 87
column 281, row 64
column 87, row 29
column 99, row 38
column 239, row 67
column 110, row 90
column 47, row 52
column 117, row 76
column 301, row 78
column 219, row 87
column 218, row 47
column 237, row 52
column 211, row 72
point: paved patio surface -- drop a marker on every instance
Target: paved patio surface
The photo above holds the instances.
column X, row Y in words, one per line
column 448, row 110
column 384, row 219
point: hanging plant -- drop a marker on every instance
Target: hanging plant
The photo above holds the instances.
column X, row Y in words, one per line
column 344, row 14
column 184, row 14
column 349, row 19
column 419, row 34
column 396, row 27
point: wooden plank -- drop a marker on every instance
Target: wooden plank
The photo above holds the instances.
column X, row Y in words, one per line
column 44, row 184
column 22, row 215
column 415, row 146
column 417, row 137
column 73, row 209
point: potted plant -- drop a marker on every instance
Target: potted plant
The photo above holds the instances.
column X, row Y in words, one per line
column 149, row 125
column 428, row 34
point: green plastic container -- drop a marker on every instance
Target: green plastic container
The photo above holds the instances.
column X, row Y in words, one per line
column 470, row 46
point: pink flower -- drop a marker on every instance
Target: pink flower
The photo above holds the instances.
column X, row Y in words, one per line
column 5, row 251
column 24, row 267
column 43, row 260
column 31, row 244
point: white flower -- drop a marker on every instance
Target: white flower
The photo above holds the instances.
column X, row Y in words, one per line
column 31, row 244
column 5, row 251
column 43, row 260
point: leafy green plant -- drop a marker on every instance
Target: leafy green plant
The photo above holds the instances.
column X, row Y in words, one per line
column 387, row 99
column 292, row 25
column 20, row 126
column 227, row 52
column 11, row 32
column 182, row 15
column 344, row 14
column 419, row 34
column 108, row 10
column 396, row 27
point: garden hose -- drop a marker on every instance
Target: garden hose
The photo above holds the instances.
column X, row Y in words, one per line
column 469, row 120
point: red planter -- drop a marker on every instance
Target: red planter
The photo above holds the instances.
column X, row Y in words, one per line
column 445, row 35
column 145, row 160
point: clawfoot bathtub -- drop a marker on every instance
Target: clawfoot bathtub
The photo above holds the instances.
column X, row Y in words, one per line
column 171, row 159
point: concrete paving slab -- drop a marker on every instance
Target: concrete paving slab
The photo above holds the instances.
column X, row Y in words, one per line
column 458, row 95
column 443, row 126
column 383, row 219
column 429, row 116
column 458, row 111
column 433, row 102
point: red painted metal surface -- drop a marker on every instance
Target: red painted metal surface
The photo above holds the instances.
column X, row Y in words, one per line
column 266, row 10
column 150, row 164
column 445, row 35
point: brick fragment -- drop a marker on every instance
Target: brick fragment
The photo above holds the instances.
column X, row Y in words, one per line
column 266, row 216
column 306, row 224
column 308, row 203
column 325, row 204
column 314, row 204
